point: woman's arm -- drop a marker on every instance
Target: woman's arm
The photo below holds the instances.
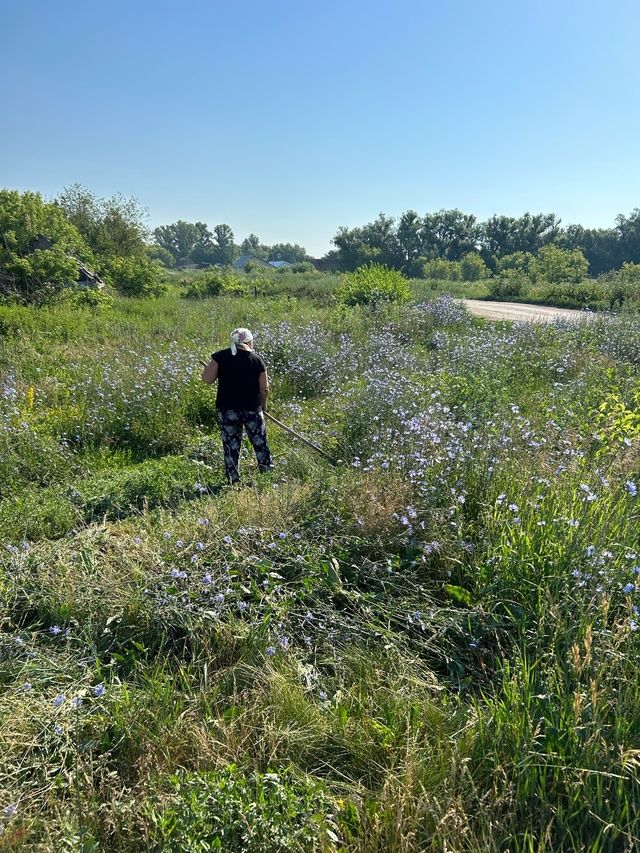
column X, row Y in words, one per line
column 210, row 373
column 264, row 389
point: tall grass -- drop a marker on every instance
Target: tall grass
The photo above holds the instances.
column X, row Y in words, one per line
column 433, row 646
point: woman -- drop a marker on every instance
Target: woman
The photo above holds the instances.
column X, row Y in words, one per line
column 243, row 388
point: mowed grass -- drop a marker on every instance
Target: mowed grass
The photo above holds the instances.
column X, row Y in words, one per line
column 432, row 646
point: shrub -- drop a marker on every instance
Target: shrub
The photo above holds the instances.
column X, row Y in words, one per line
column 40, row 276
column 520, row 262
column 302, row 266
column 134, row 276
column 372, row 284
column 162, row 255
column 210, row 283
column 509, row 285
column 87, row 297
column 588, row 295
column 555, row 265
column 473, row 268
column 622, row 286
column 442, row 270
column 38, row 247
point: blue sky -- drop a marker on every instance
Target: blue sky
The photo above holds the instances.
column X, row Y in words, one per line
column 289, row 119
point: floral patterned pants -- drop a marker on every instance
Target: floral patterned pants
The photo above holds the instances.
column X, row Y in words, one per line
column 231, row 423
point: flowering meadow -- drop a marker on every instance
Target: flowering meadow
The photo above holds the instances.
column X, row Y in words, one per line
column 432, row 645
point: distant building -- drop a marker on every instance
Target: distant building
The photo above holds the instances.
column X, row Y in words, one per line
column 243, row 260
column 279, row 265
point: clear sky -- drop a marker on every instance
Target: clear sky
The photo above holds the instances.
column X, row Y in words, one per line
column 289, row 118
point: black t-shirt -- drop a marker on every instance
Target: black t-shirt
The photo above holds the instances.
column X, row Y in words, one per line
column 238, row 379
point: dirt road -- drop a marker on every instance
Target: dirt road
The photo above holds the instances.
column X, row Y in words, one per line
column 522, row 312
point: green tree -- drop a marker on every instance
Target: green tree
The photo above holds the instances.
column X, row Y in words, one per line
column 375, row 242
column 251, row 245
column 291, row 252
column 521, row 262
column 601, row 246
column 225, row 251
column 504, row 235
column 110, row 226
column 134, row 275
column 410, row 237
column 164, row 256
column 182, row 238
column 441, row 270
column 448, row 234
column 555, row 265
column 473, row 268
column 39, row 248
column 628, row 233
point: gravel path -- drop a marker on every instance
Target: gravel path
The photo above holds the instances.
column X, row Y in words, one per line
column 523, row 312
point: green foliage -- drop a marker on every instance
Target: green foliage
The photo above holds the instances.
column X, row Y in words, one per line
column 291, row 252
column 522, row 263
column 588, row 295
column 134, row 276
column 186, row 241
column 618, row 420
column 251, row 245
column 441, row 270
column 373, row 284
column 247, row 812
column 87, row 297
column 162, row 255
column 433, row 645
column 473, row 268
column 111, row 226
column 33, row 274
column 25, row 216
column 38, row 277
column 507, row 235
column 509, row 285
column 556, row 265
column 210, row 283
column 302, row 266
column 630, row 273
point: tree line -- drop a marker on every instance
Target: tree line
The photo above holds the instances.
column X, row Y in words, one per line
column 183, row 242
column 411, row 241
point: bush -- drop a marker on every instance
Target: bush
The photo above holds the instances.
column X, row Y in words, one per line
column 555, row 265
column 509, row 285
column 372, row 284
column 519, row 262
column 88, row 297
column 38, row 247
column 162, row 255
column 441, row 270
column 588, row 295
column 210, row 283
column 622, row 286
column 302, row 266
column 40, row 276
column 134, row 276
column 473, row 268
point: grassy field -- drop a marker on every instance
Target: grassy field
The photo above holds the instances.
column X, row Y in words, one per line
column 432, row 646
